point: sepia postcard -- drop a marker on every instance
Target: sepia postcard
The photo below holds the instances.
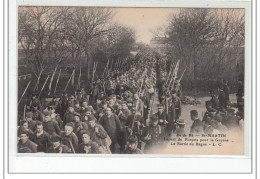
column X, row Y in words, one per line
column 98, row 81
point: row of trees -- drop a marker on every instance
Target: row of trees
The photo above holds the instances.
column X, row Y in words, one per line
column 209, row 42
column 49, row 35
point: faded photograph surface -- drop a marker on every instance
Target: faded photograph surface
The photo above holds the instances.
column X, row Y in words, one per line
column 94, row 80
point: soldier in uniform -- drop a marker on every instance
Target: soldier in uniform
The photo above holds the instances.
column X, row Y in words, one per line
column 161, row 115
column 153, row 135
column 25, row 145
column 132, row 146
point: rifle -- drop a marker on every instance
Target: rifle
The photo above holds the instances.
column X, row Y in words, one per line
column 78, row 86
column 52, row 79
column 57, row 82
column 24, row 92
column 69, row 81
column 38, row 80
column 43, row 86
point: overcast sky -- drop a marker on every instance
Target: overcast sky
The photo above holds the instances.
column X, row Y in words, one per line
column 143, row 20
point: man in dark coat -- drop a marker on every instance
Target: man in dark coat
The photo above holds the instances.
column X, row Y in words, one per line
column 69, row 138
column 112, row 126
column 41, row 138
column 50, row 126
column 25, row 145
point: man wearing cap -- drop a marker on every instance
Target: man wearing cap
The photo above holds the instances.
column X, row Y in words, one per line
column 31, row 122
column 88, row 146
column 41, row 138
column 161, row 115
column 25, row 145
column 57, row 147
column 153, row 135
column 132, row 146
column 112, row 126
column 50, row 126
column 197, row 126
column 69, row 138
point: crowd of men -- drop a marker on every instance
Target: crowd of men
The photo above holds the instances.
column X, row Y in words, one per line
column 118, row 117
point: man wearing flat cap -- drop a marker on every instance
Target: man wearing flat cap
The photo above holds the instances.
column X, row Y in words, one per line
column 132, row 146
